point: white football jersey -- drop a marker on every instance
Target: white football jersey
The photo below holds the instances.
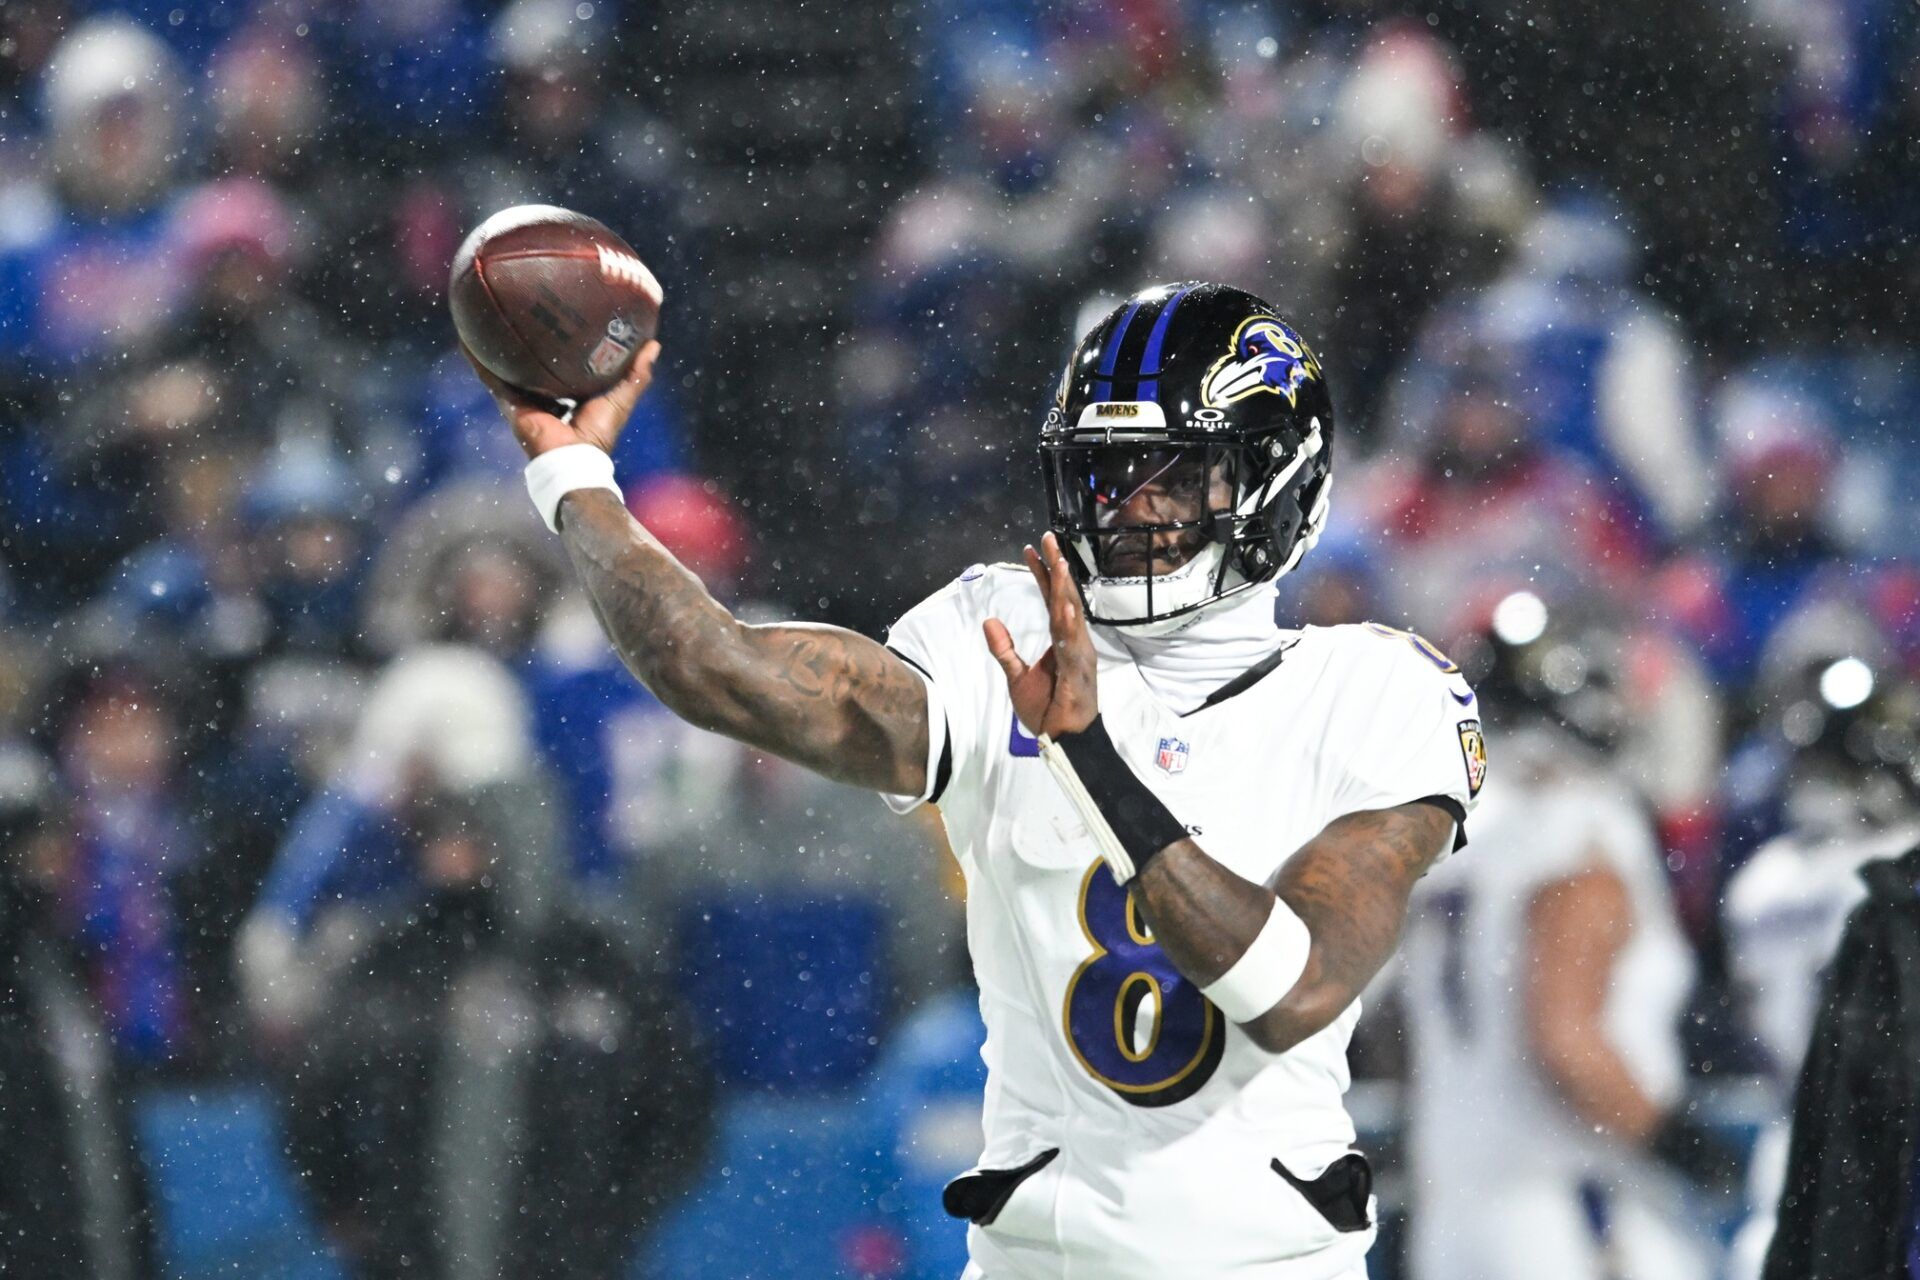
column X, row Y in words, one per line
column 1479, row 1097
column 1785, row 911
column 1167, row 1119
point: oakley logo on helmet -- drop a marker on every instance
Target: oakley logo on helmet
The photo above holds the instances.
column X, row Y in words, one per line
column 1266, row 356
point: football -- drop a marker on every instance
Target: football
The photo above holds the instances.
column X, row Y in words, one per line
column 552, row 302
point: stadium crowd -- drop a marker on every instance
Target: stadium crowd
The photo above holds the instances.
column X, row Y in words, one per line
column 312, row 760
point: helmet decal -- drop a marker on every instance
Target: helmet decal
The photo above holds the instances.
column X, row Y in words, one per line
column 1266, row 355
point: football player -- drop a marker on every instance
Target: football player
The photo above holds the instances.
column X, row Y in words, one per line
column 1544, row 980
column 1189, row 832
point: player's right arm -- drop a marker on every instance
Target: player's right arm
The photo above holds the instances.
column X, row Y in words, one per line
column 820, row 696
column 1576, row 927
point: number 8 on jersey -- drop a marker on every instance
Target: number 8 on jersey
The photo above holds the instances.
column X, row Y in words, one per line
column 1134, row 1022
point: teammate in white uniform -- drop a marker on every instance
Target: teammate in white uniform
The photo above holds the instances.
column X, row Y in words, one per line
column 1852, row 797
column 1189, row 833
column 1545, row 979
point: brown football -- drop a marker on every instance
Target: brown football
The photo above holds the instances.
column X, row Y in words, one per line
column 552, row 302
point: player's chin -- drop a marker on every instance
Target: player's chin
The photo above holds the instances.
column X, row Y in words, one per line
column 1134, row 558
column 1141, row 565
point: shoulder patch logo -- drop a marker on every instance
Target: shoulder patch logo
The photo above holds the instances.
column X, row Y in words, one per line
column 1473, row 749
column 1172, row 756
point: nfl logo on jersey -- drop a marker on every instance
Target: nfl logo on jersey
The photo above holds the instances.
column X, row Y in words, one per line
column 1172, row 757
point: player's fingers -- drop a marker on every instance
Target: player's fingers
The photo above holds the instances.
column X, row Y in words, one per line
column 1039, row 572
column 1000, row 645
column 627, row 392
column 1064, row 601
column 642, row 371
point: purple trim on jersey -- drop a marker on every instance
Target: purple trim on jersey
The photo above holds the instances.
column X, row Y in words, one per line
column 1599, row 1208
column 1021, row 743
column 1149, row 386
column 1103, row 390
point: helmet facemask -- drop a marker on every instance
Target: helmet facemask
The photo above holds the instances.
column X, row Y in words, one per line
column 1158, row 529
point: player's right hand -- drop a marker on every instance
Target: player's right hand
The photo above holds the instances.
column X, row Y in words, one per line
column 1058, row 693
column 597, row 422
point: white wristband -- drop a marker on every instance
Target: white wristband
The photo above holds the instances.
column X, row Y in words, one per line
column 1267, row 970
column 558, row 472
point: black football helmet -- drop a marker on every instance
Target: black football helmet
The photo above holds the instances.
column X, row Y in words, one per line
column 1204, row 391
column 1564, row 663
column 1854, row 727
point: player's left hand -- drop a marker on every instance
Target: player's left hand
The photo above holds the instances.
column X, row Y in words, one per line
column 1058, row 693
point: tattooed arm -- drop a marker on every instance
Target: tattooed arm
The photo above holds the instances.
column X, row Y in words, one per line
column 1350, row 884
column 829, row 699
column 819, row 696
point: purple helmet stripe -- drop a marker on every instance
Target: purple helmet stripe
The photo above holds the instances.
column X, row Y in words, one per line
column 1104, row 389
column 1149, row 385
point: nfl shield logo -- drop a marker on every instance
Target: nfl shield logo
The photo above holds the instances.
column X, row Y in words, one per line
column 1172, row 756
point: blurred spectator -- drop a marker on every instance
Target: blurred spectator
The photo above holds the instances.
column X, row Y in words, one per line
column 1603, row 371
column 1676, row 135
column 1776, row 552
column 561, row 138
column 417, row 68
column 73, row 1195
column 1478, row 489
column 1425, row 204
column 123, row 755
column 441, row 719
column 1339, row 583
column 30, row 30
column 311, row 555
column 268, row 103
column 487, row 1090
column 93, row 275
column 1844, row 177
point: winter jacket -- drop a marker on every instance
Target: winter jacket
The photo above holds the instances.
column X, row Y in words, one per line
column 484, row 1102
column 73, row 1202
column 1847, row 1212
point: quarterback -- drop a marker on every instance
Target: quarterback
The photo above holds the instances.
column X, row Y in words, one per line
column 1189, row 832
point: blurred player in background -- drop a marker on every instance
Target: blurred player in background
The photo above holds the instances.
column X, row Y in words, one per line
column 1189, row 832
column 1546, row 976
column 1852, row 796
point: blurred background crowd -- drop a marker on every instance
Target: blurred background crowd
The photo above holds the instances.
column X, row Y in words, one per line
column 361, row 917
